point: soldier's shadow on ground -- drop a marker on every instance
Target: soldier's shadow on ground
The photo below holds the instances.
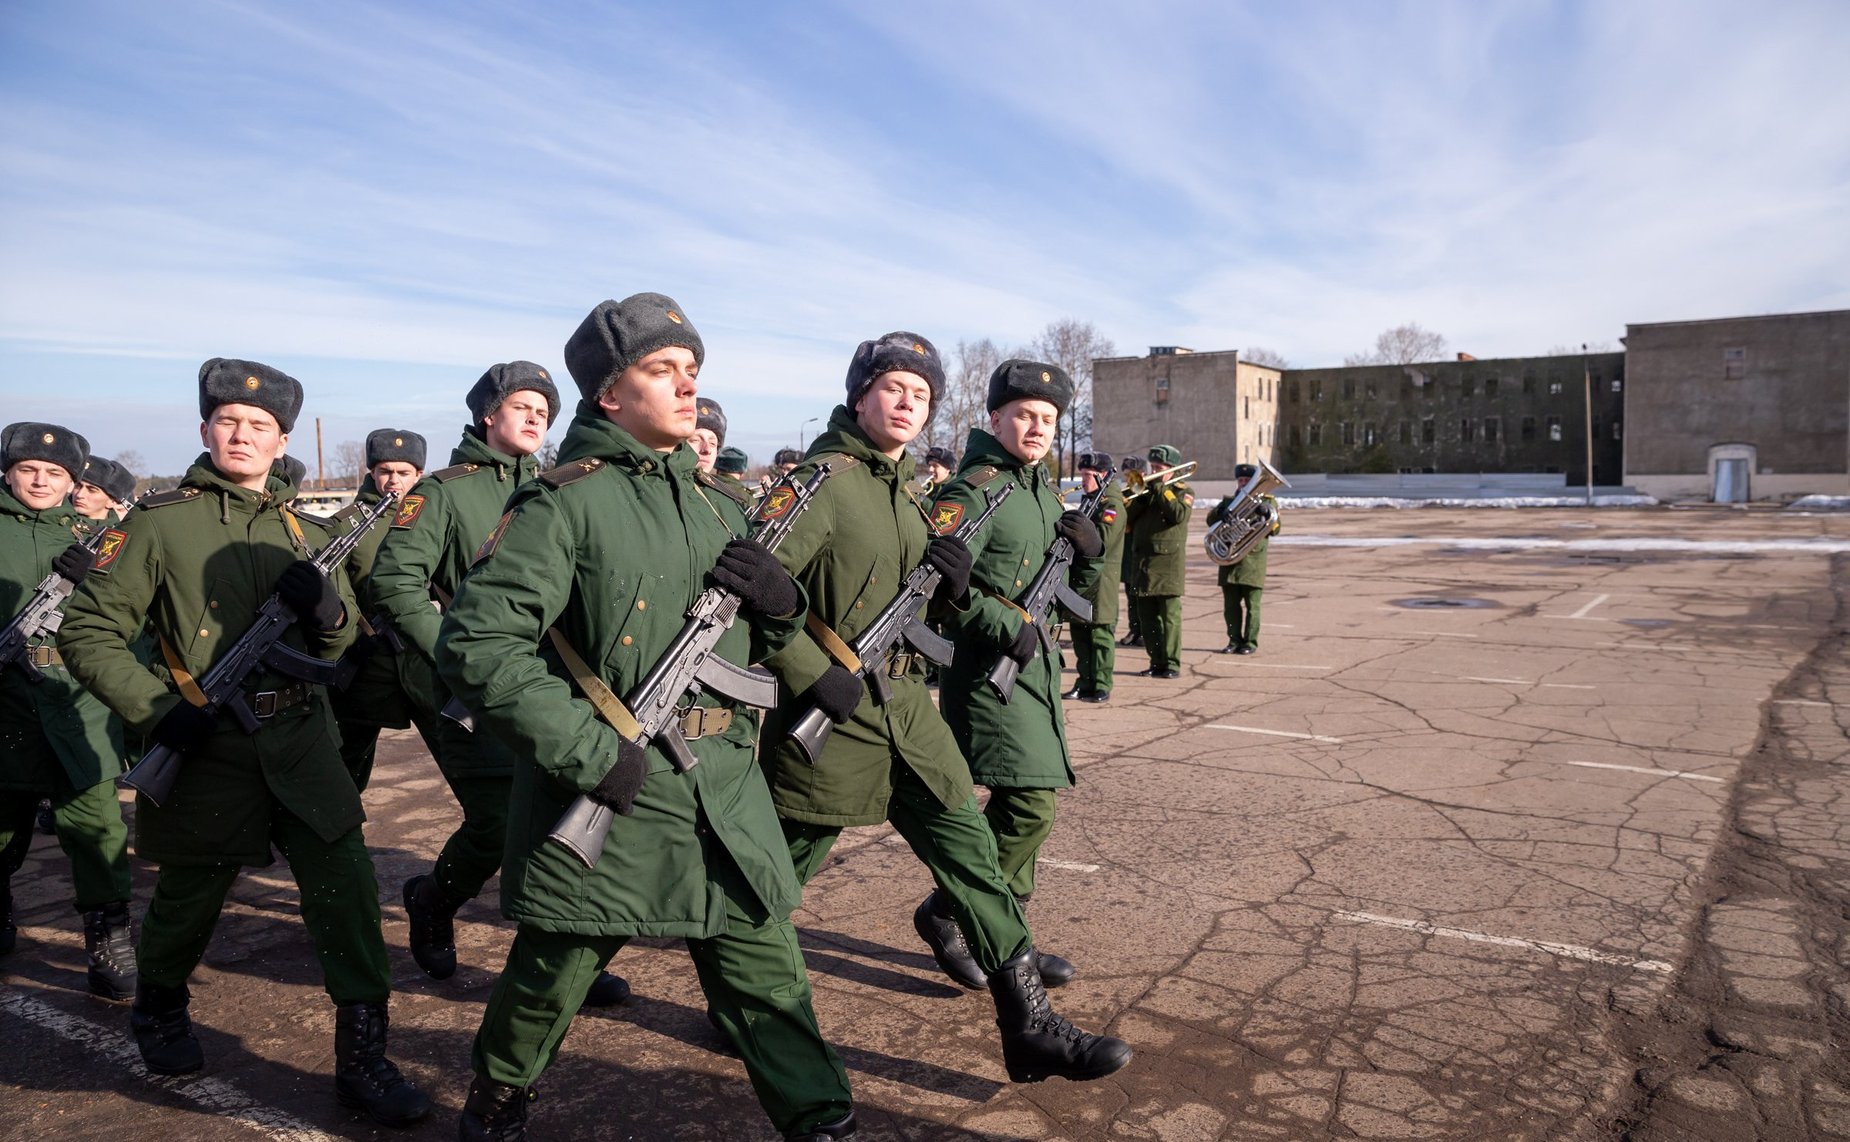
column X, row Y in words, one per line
column 820, row 950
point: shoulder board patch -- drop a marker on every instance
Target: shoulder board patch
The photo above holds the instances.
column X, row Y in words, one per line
column 347, row 513
column 110, row 549
column 980, row 476
column 493, row 541
column 408, row 512
column 162, row 499
column 946, row 517
column 569, row 473
column 731, row 489
column 838, row 462
column 455, row 472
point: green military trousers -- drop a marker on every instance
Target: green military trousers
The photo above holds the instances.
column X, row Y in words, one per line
column 756, row 986
column 957, row 847
column 1021, row 820
column 1160, row 619
column 378, row 699
column 90, row 831
column 1130, row 611
column 1240, row 607
column 1094, row 653
column 483, row 789
column 359, row 744
column 340, row 908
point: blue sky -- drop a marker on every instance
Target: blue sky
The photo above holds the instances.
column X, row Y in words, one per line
column 383, row 200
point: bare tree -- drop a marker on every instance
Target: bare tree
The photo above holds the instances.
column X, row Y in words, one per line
column 547, row 457
column 1259, row 355
column 966, row 384
column 131, row 462
column 1402, row 345
column 1073, row 345
column 349, row 462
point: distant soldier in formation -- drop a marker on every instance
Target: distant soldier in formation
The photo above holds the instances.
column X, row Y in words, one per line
column 56, row 739
column 1096, row 581
column 787, row 458
column 1015, row 746
column 940, row 462
column 1133, row 635
column 196, row 564
column 103, row 491
column 899, row 762
column 731, row 464
column 1242, row 583
column 608, row 550
column 709, row 434
column 1159, row 552
column 392, row 687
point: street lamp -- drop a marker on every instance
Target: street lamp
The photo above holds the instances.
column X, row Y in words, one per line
column 1586, row 383
column 803, row 431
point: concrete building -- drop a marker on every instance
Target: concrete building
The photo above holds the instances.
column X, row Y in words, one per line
column 1739, row 408
column 1216, row 408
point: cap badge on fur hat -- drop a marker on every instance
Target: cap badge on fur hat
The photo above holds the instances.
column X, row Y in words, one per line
column 48, row 438
column 398, row 442
column 918, row 348
column 1046, row 376
column 252, row 383
column 674, row 317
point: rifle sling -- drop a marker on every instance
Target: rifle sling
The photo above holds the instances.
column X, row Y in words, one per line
column 602, row 698
column 1009, row 603
column 189, row 689
column 840, row 651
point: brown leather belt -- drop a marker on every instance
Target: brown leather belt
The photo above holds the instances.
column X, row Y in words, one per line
column 269, row 703
column 44, row 656
column 705, row 722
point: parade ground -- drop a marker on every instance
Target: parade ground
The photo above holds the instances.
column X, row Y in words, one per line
column 1522, row 824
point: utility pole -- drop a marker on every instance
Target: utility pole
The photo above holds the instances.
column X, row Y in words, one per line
column 321, row 478
column 1586, row 384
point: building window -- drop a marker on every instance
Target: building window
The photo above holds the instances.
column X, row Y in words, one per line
column 1406, row 388
column 1162, row 384
column 1554, row 428
column 1492, row 425
column 1428, row 431
column 1465, row 429
column 1468, row 386
column 1246, row 407
column 1617, row 385
column 1528, row 429
column 1348, row 388
column 1554, row 388
column 1348, row 433
column 1406, row 432
column 1368, row 435
column 1316, row 390
column 1734, row 363
column 1528, row 384
column 1368, row 389
column 1490, row 387
column 1616, row 435
column 1316, row 435
column 1295, row 438
column 1291, row 394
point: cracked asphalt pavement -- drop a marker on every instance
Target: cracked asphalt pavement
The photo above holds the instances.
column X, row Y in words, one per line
column 1503, row 834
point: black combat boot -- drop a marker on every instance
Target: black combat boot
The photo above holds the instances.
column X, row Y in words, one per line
column 9, row 932
column 494, row 1112
column 842, row 1127
column 1055, row 970
column 937, row 926
column 433, row 927
column 364, row 1079
column 1038, row 1044
column 163, row 1031
column 607, row 990
column 111, row 945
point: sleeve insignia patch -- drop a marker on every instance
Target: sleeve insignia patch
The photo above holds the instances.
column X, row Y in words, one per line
column 408, row 511
column 1108, row 516
column 1188, row 499
column 946, row 517
column 110, row 549
column 494, row 539
column 777, row 503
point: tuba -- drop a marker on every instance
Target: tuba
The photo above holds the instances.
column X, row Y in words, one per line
column 1137, row 484
column 1248, row 520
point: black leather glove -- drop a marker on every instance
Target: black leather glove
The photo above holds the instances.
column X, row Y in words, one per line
column 310, row 594
column 1027, row 641
column 951, row 559
column 750, row 571
column 836, row 693
column 618, row 788
column 74, row 562
column 1082, row 533
column 185, row 727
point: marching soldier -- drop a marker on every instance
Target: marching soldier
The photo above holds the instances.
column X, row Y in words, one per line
column 1158, row 546
column 899, row 762
column 731, row 464
column 56, row 739
column 393, row 684
column 1242, row 583
column 1133, row 635
column 940, row 462
column 709, row 434
column 787, row 458
column 608, row 550
column 1017, row 748
column 1096, row 580
column 103, row 491
column 433, row 541
column 196, row 564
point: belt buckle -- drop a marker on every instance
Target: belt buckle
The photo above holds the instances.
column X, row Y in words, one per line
column 705, row 721
column 263, row 703
column 41, row 655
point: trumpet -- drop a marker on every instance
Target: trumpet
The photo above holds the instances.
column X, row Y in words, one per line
column 1137, row 484
column 1247, row 520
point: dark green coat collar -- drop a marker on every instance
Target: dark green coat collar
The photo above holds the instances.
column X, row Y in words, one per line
column 473, row 449
column 279, row 489
column 592, row 436
column 59, row 513
column 844, row 435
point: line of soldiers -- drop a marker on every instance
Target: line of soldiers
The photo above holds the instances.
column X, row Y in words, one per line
column 477, row 616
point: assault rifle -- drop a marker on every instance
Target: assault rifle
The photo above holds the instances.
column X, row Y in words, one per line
column 41, row 616
column 897, row 622
column 1048, row 587
column 259, row 648
column 652, row 712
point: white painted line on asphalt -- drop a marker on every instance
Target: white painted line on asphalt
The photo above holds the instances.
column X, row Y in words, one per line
column 1582, row 612
column 1801, row 702
column 1500, row 681
column 1280, row 666
column 1068, row 865
column 1440, row 633
column 1278, row 733
column 213, row 1095
column 1647, row 769
column 1570, row 951
column 1567, row 686
column 1747, row 547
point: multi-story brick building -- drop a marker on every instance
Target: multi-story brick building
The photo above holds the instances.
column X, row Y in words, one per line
column 1218, row 409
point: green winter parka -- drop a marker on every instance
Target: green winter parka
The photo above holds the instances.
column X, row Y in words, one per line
column 1096, row 580
column 612, row 547
column 1020, row 744
column 1158, row 540
column 864, row 533
column 195, row 564
column 382, row 687
column 55, row 724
